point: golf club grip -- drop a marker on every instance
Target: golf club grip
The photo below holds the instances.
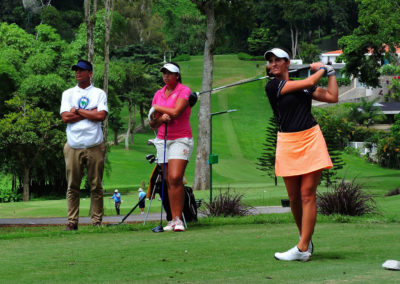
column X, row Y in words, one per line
column 130, row 212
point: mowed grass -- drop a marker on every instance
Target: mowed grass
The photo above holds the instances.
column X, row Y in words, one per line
column 215, row 250
column 233, row 250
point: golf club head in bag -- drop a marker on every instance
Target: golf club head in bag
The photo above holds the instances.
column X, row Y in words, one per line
column 150, row 158
column 193, row 98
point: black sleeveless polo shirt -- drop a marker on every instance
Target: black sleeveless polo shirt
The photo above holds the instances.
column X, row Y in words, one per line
column 292, row 110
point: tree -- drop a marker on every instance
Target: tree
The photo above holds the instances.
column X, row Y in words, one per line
column 64, row 21
column 260, row 41
column 267, row 160
column 209, row 9
column 202, row 177
column 336, row 132
column 309, row 52
column 342, row 16
column 32, row 133
column 137, row 24
column 365, row 113
column 90, row 20
column 25, row 135
column 9, row 81
column 299, row 15
column 377, row 35
column 108, row 15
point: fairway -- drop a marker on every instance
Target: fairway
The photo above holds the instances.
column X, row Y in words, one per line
column 206, row 253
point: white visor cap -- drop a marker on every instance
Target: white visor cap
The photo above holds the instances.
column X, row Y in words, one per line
column 277, row 52
column 170, row 67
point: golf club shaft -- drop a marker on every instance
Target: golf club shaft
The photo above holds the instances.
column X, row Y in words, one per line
column 130, row 212
column 163, row 172
column 148, row 209
column 244, row 82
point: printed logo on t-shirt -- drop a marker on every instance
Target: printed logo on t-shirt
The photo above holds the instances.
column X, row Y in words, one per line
column 173, row 96
column 83, row 102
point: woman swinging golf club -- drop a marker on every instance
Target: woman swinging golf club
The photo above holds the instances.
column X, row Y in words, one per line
column 301, row 152
column 171, row 106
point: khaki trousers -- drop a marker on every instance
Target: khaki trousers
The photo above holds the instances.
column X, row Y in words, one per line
column 75, row 161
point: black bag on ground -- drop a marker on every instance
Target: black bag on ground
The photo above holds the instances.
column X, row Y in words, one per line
column 189, row 207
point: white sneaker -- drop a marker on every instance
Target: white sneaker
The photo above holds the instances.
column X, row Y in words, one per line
column 179, row 227
column 170, row 226
column 293, row 254
column 310, row 247
column 391, row 264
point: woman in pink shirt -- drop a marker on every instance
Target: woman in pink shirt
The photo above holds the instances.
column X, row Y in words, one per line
column 171, row 106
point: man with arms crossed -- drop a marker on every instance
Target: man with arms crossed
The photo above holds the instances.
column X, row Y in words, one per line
column 83, row 108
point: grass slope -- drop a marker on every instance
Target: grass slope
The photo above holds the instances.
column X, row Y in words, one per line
column 237, row 139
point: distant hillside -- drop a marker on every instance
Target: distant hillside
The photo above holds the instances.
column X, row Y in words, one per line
column 237, row 137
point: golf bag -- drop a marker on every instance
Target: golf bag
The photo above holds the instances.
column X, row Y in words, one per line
column 155, row 186
column 189, row 207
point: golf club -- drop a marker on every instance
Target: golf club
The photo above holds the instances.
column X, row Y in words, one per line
column 127, row 215
column 148, row 207
column 160, row 229
column 193, row 97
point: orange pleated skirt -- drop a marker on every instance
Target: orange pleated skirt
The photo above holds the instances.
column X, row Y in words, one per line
column 302, row 152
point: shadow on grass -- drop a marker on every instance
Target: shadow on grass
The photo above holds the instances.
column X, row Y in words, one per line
column 328, row 256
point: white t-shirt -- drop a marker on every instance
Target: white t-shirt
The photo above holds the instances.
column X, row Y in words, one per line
column 84, row 133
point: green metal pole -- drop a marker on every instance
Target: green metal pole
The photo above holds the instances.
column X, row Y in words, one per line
column 210, row 163
column 214, row 157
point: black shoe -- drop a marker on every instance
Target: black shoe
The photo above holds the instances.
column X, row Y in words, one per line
column 97, row 224
column 71, row 227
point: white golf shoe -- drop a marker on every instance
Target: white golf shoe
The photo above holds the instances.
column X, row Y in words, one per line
column 391, row 264
column 310, row 247
column 170, row 226
column 293, row 254
column 179, row 227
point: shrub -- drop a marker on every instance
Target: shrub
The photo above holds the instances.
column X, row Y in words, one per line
column 8, row 195
column 226, row 204
column 309, row 52
column 393, row 192
column 323, row 82
column 182, row 57
column 346, row 198
column 389, row 69
column 352, row 151
column 395, row 88
column 361, row 133
column 247, row 57
column 388, row 153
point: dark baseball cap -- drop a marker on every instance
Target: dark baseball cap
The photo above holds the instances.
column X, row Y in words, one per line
column 83, row 64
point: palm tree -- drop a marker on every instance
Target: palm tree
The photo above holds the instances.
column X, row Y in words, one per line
column 365, row 113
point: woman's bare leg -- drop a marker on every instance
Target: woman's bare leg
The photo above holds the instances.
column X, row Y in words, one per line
column 309, row 184
column 293, row 186
column 176, row 170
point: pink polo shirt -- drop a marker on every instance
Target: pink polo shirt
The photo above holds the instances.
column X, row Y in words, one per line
column 178, row 127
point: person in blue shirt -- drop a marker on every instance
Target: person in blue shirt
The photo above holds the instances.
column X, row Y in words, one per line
column 117, row 199
column 142, row 196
